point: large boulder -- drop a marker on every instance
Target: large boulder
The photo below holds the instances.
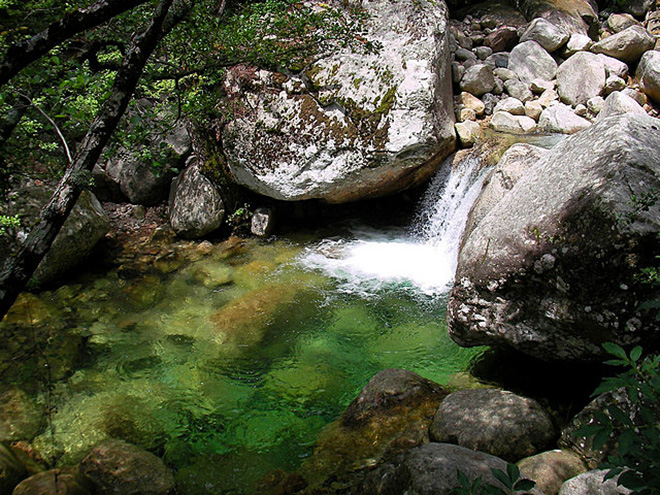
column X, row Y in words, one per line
column 552, row 269
column 86, row 225
column 545, row 34
column 550, row 469
column 530, row 61
column 196, row 207
column 580, row 77
column 494, row 421
column 593, row 483
column 572, row 16
column 618, row 103
column 648, row 74
column 354, row 125
column 64, row 481
column 560, row 118
column 627, row 45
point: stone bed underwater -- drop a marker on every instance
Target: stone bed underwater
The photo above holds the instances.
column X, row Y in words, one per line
column 228, row 359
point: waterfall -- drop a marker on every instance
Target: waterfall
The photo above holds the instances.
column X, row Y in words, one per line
column 421, row 258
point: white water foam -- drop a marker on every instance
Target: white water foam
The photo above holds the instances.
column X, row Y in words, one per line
column 423, row 258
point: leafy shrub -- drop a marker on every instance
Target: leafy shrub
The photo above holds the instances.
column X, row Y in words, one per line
column 511, row 483
column 636, row 461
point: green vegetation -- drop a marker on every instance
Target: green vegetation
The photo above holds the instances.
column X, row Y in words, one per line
column 9, row 222
column 512, row 483
column 635, row 429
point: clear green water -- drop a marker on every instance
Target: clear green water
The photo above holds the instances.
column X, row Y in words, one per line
column 228, row 367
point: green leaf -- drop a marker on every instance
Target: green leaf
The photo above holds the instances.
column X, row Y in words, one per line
column 619, row 415
column 601, row 438
column 524, row 485
column 502, row 477
column 626, row 441
column 615, row 350
column 636, row 353
column 513, row 472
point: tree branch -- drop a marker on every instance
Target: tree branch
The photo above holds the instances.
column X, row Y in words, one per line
column 24, row 53
column 18, row 269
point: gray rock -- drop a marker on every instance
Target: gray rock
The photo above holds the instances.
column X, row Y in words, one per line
column 518, row 89
column 498, row 88
column 627, row 45
column 648, row 74
column 577, row 43
column 261, row 223
column 457, row 72
column 514, row 162
column 196, row 207
column 504, row 74
column 580, row 77
column 526, row 275
column 494, row 421
column 483, row 52
column 614, row 67
column 638, row 96
column 614, row 83
column 595, row 104
column 573, row 16
column 373, row 125
column 463, row 54
column 468, row 132
column 530, row 61
column 431, row 470
column 490, row 100
column 619, row 22
column 560, row 118
column 548, row 98
column 478, row 80
column 550, row 469
column 511, row 105
column 83, row 229
column 638, row 7
column 581, row 110
column 546, row 34
column 591, row 483
column 618, row 103
column 538, row 86
column 518, row 124
column 117, row 467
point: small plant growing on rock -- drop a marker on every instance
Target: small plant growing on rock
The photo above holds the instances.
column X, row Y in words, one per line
column 636, row 461
column 511, row 483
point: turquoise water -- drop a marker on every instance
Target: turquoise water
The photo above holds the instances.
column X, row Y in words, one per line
column 227, row 361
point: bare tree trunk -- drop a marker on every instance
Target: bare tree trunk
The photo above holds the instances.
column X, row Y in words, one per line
column 23, row 54
column 18, row 269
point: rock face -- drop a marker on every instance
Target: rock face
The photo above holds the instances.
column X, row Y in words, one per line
column 494, row 421
column 117, row 467
column 360, row 125
column 574, row 89
column 127, row 176
column 648, row 74
column 196, row 206
column 529, row 277
column 431, row 470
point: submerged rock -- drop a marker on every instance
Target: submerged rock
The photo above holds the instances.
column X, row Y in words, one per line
column 549, row 270
column 355, row 125
column 117, row 467
column 20, row 417
column 390, row 415
column 65, row 481
column 494, row 421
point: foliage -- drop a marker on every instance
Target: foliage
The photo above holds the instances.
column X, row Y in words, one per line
column 637, row 433
column 511, row 483
column 240, row 217
column 9, row 222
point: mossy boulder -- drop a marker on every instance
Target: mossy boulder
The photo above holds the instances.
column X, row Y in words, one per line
column 355, row 124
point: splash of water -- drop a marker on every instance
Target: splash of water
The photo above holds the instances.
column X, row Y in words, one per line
column 422, row 258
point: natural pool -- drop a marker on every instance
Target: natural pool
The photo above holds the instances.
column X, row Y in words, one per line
column 228, row 359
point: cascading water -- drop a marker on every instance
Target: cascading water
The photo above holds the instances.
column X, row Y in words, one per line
column 422, row 258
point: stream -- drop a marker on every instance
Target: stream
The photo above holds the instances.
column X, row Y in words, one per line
column 228, row 360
